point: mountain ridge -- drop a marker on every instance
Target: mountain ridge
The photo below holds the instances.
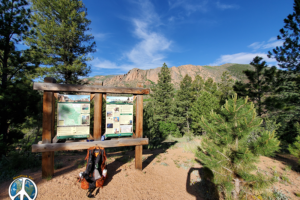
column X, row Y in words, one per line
column 135, row 75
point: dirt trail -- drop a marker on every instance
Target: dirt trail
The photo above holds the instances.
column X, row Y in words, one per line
column 165, row 175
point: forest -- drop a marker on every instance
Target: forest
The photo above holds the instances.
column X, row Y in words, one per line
column 237, row 121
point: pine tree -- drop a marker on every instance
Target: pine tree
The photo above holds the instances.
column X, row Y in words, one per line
column 17, row 67
column 198, row 85
column 162, row 96
column 205, row 103
column 288, row 54
column 226, row 86
column 295, row 147
column 182, row 104
column 228, row 153
column 286, row 101
column 259, row 84
column 61, row 40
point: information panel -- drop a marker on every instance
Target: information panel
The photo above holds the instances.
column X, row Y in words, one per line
column 73, row 116
column 119, row 116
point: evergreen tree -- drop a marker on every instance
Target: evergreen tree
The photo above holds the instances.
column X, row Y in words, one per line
column 212, row 87
column 182, row 105
column 162, row 96
column 226, row 86
column 198, row 85
column 286, row 101
column 61, row 40
column 205, row 103
column 17, row 99
column 259, row 83
column 288, row 55
column 228, row 153
column 283, row 103
column 295, row 147
column 150, row 126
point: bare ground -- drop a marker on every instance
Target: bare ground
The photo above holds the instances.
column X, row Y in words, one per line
column 167, row 174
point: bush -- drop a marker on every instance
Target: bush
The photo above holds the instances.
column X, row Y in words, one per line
column 16, row 161
column 295, row 147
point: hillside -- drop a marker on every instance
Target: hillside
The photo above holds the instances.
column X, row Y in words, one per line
column 146, row 76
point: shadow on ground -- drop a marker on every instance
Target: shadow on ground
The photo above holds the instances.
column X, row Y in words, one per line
column 156, row 149
column 288, row 159
column 205, row 189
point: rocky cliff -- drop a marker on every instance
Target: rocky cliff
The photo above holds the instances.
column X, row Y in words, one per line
column 177, row 73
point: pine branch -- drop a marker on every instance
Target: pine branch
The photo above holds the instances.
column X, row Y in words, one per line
column 227, row 169
column 218, row 172
column 223, row 155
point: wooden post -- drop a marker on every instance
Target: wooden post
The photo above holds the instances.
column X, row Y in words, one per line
column 48, row 130
column 139, row 130
column 98, row 113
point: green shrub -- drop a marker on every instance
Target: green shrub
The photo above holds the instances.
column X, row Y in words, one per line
column 16, row 161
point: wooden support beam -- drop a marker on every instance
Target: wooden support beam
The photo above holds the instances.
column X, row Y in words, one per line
column 97, row 116
column 98, row 113
column 54, row 87
column 85, row 145
column 139, row 130
column 54, row 140
column 92, row 97
column 48, row 131
column 56, row 95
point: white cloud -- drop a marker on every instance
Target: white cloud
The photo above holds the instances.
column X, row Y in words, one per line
column 226, row 6
column 256, row 45
column 100, row 36
column 241, row 58
column 268, row 45
column 189, row 7
column 273, row 44
column 149, row 52
column 272, row 39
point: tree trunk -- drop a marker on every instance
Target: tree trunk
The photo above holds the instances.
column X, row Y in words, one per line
column 4, row 122
column 236, row 190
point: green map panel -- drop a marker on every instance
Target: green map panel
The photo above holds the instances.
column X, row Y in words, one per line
column 70, row 113
column 118, row 135
column 119, row 103
column 72, row 136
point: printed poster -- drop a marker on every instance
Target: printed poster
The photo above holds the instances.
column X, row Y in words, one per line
column 73, row 116
column 119, row 115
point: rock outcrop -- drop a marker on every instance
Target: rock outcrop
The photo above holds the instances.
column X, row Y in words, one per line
column 146, row 76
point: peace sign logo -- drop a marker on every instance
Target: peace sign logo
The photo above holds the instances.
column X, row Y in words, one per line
column 22, row 189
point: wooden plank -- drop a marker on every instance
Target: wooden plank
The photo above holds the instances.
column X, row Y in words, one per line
column 85, row 145
column 53, row 117
column 138, row 157
column 92, row 97
column 90, row 137
column 97, row 116
column 139, row 130
column 88, row 88
column 56, row 95
column 54, row 140
column 47, row 160
column 139, row 116
column 47, row 157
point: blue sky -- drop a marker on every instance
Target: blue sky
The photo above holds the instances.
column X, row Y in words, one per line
column 144, row 34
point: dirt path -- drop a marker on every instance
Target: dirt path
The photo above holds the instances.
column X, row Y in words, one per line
column 166, row 174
